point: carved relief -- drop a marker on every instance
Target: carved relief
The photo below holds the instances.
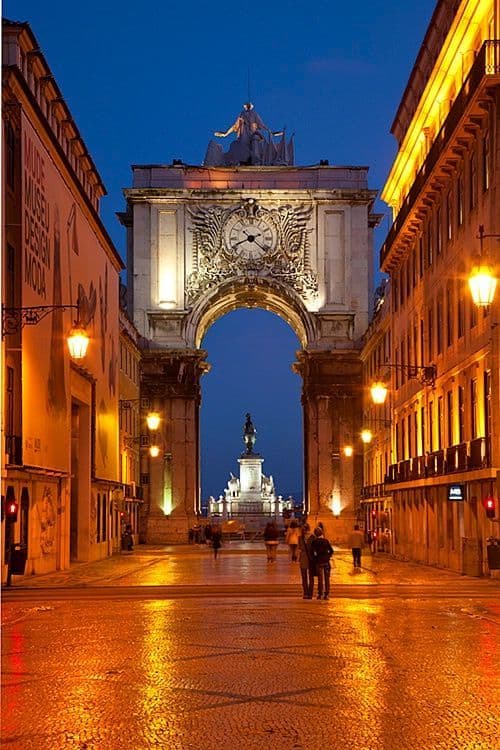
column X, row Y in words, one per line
column 250, row 240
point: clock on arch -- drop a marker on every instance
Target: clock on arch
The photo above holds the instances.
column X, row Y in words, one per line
column 250, row 237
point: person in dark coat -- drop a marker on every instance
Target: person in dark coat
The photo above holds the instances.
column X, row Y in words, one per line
column 322, row 551
column 216, row 536
column 271, row 538
column 306, row 561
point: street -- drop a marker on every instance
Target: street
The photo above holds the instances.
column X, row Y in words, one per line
column 168, row 648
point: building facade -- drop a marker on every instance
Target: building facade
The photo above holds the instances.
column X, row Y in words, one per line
column 443, row 186
column 59, row 417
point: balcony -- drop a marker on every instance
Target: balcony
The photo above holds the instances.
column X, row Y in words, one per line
column 466, row 456
column 479, row 453
column 486, row 67
column 132, row 491
column 14, row 449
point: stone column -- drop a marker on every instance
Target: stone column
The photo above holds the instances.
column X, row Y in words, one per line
column 170, row 380
column 332, row 404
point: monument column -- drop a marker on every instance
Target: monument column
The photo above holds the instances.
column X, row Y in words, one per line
column 332, row 404
column 170, row 380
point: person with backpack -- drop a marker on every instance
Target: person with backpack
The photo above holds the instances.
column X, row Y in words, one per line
column 322, row 551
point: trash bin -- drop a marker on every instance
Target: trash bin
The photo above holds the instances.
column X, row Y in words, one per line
column 18, row 555
column 493, row 552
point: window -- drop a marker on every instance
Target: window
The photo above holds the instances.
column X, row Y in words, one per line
column 449, row 316
column 473, row 408
column 439, row 323
column 473, row 313
column 10, row 158
column 422, row 431
column 449, row 422
column 409, row 454
column 439, row 232
column 440, row 422
column 421, row 256
column 415, row 434
column 460, row 200
column 431, row 426
column 449, row 217
column 460, row 310
column 430, row 243
column 403, row 439
column 430, row 333
column 461, row 414
column 486, row 166
column 473, row 181
column 9, row 401
column 421, row 353
column 488, row 427
column 98, row 519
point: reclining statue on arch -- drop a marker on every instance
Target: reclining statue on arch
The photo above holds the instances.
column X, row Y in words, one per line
column 254, row 145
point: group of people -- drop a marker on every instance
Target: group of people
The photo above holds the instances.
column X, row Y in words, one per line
column 315, row 553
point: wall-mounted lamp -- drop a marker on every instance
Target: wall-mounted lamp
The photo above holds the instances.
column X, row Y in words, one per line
column 348, row 450
column 426, row 374
column 154, row 451
column 482, row 280
column 15, row 318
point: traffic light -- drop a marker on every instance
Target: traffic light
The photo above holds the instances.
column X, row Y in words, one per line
column 11, row 509
column 489, row 504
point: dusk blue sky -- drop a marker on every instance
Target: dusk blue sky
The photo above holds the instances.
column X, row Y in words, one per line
column 149, row 82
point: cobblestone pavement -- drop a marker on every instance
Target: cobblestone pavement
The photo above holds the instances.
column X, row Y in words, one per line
column 415, row 668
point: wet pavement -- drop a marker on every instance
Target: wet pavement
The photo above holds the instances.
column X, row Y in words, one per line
column 167, row 648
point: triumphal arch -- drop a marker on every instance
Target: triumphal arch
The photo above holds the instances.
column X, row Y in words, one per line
column 248, row 228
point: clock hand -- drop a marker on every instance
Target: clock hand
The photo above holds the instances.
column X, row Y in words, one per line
column 239, row 243
column 251, row 235
column 261, row 246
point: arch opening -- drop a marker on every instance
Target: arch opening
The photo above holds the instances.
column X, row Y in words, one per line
column 251, row 353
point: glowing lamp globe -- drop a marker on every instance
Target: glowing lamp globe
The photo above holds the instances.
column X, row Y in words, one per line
column 153, row 420
column 154, row 451
column 379, row 392
column 366, row 436
column 482, row 285
column 78, row 341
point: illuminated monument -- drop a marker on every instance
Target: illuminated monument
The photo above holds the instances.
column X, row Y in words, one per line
column 252, row 497
column 250, row 228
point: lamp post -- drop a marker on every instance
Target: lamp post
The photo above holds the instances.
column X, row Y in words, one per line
column 15, row 318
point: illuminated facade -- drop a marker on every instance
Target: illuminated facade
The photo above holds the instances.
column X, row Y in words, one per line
column 444, row 184
column 59, row 418
column 134, row 441
column 293, row 240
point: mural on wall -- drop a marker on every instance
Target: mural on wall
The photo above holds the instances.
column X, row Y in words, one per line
column 56, row 272
column 46, row 513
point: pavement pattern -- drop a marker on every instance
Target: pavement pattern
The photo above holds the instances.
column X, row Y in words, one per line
column 167, row 648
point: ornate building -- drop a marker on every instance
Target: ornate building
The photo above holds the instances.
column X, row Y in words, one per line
column 444, row 372
column 59, row 420
column 205, row 240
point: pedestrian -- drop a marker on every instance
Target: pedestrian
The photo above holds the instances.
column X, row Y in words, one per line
column 208, row 533
column 216, row 536
column 322, row 552
column 292, row 539
column 356, row 543
column 306, row 561
column 271, row 536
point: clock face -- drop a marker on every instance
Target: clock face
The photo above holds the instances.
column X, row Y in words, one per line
column 250, row 238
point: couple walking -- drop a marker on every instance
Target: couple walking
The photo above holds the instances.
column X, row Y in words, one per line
column 315, row 552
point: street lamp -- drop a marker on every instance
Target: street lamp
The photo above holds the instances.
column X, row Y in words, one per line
column 15, row 318
column 426, row 374
column 153, row 420
column 482, row 281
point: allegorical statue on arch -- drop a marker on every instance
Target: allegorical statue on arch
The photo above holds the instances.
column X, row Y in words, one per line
column 254, row 144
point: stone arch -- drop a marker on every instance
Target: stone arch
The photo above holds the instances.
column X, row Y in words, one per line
column 259, row 292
